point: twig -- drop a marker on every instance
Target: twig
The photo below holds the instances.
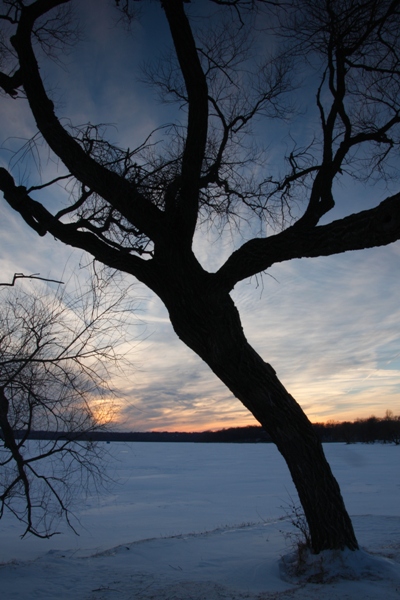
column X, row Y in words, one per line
column 34, row 276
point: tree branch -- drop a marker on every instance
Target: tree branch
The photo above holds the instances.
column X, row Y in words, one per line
column 116, row 190
column 378, row 226
column 11, row 83
column 42, row 221
column 34, row 276
column 186, row 204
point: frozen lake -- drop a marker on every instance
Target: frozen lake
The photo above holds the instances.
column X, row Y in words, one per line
column 165, row 492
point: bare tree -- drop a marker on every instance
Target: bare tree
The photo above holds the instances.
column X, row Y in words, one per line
column 137, row 210
column 56, row 354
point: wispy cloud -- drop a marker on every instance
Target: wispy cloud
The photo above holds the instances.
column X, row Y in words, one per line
column 330, row 327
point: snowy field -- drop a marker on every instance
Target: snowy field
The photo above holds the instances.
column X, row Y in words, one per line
column 208, row 522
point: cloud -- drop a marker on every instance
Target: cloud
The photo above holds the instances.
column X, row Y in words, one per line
column 167, row 386
column 329, row 327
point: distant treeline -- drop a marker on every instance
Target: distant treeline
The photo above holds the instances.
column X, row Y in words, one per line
column 368, row 431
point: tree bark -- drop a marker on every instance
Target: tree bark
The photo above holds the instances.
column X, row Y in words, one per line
column 209, row 323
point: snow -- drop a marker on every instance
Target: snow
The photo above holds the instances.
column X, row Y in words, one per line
column 208, row 522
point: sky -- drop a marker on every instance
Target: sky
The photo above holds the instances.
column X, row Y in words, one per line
column 330, row 326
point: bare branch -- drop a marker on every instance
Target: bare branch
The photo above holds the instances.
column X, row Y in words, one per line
column 185, row 207
column 117, row 190
column 367, row 229
column 56, row 356
column 34, row 276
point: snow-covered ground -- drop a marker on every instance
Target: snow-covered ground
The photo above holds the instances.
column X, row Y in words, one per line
column 208, row 522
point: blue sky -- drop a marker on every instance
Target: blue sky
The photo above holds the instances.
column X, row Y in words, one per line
column 329, row 326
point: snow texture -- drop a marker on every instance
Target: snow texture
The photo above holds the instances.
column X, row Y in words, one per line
column 209, row 522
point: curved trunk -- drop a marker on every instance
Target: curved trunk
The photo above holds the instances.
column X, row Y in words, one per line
column 208, row 322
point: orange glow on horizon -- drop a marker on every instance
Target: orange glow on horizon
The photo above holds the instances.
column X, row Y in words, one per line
column 216, row 425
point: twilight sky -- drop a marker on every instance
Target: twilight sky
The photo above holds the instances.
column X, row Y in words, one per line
column 330, row 326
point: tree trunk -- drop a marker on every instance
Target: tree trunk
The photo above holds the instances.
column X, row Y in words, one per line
column 209, row 323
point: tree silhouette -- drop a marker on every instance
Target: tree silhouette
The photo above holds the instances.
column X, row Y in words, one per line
column 138, row 210
column 56, row 355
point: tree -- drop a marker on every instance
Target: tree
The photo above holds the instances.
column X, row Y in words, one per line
column 56, row 353
column 138, row 210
